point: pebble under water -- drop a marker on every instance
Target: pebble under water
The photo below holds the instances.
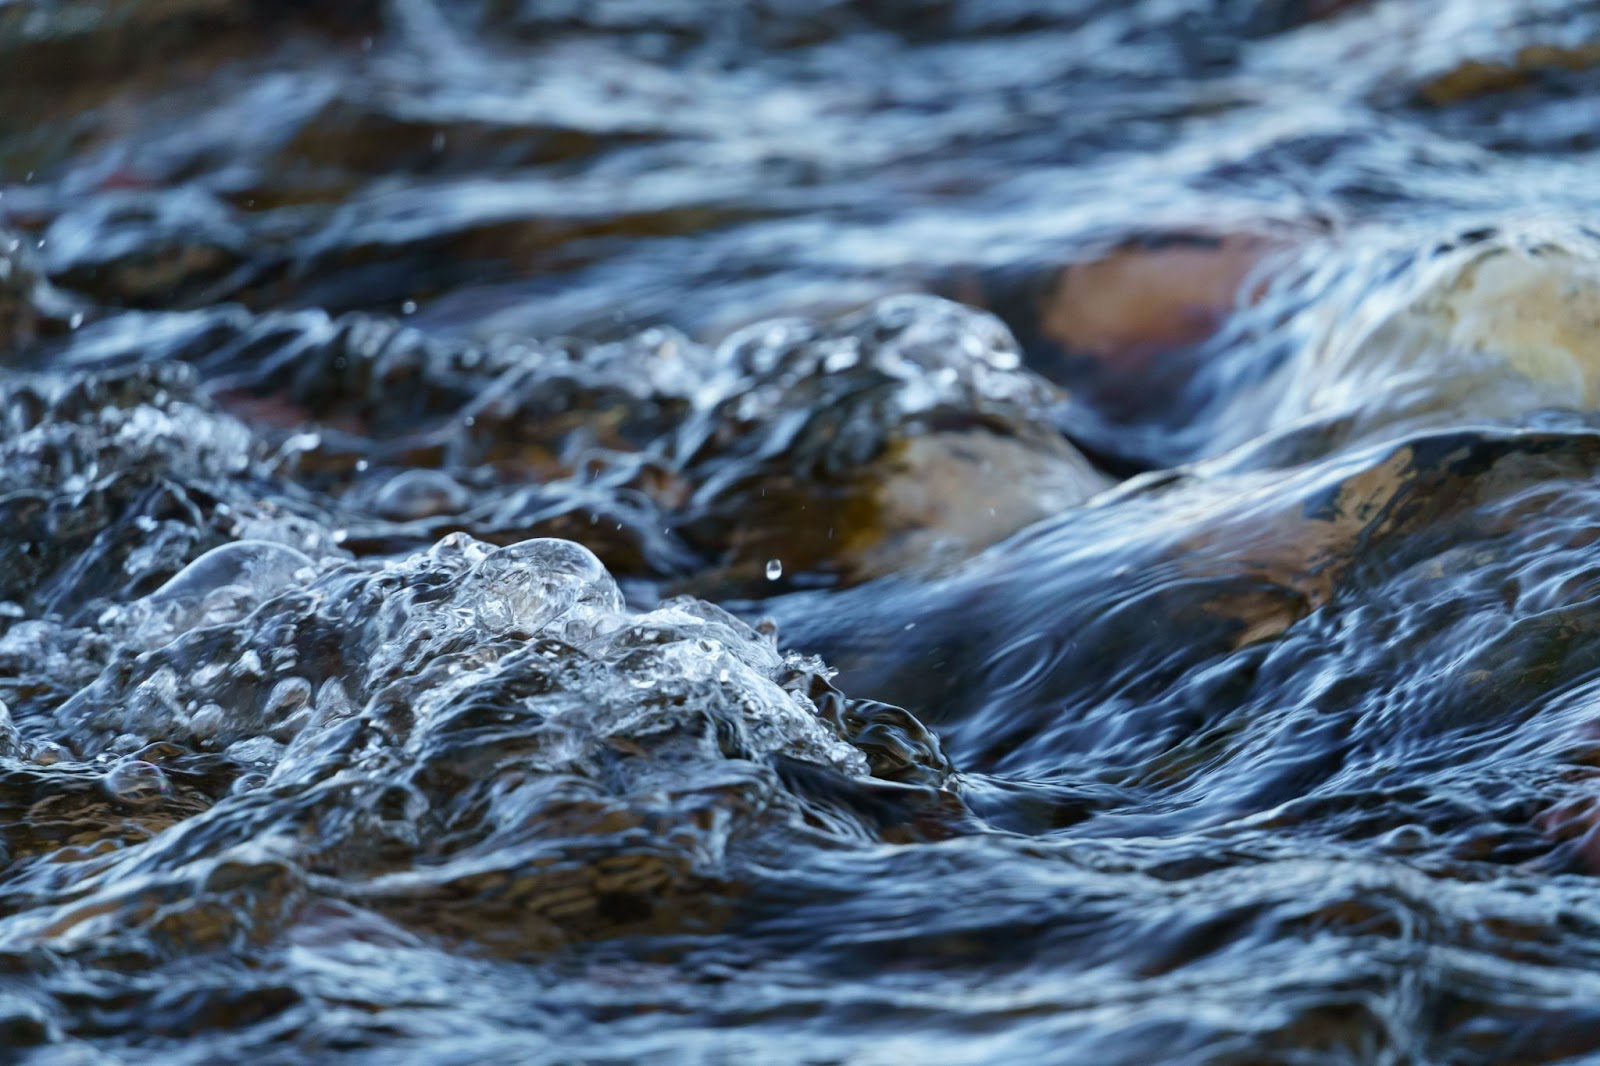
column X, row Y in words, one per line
column 967, row 532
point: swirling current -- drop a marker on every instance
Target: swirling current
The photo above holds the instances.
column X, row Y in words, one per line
column 800, row 531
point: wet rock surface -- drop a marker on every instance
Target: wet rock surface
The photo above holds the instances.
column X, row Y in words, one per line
column 798, row 532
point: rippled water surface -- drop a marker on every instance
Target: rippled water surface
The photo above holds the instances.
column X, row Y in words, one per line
column 801, row 531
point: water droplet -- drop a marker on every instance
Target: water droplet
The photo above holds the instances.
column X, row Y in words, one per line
column 135, row 783
column 409, row 307
column 774, row 569
column 76, row 320
column 362, row 465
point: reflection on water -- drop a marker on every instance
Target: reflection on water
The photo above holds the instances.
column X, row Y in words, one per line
column 1144, row 453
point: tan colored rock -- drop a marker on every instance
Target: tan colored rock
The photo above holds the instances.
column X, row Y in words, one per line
column 1493, row 331
column 1136, row 302
column 1479, row 77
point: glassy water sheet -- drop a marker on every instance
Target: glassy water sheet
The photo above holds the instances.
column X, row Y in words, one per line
column 965, row 532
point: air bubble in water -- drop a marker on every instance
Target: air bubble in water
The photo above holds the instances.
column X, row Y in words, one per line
column 48, row 752
column 528, row 586
column 135, row 783
column 257, row 567
column 248, row 781
column 417, row 494
column 774, row 569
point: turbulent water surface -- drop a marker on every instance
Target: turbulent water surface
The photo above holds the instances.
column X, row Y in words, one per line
column 800, row 531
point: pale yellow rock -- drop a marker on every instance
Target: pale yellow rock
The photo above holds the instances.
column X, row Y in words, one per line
column 1488, row 333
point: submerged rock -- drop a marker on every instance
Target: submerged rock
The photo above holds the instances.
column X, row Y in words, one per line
column 409, row 715
column 898, row 439
column 1493, row 330
column 487, row 704
column 903, row 437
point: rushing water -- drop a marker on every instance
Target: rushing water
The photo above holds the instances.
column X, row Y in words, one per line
column 801, row 531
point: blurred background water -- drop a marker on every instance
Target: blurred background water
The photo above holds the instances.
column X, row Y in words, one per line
column 799, row 531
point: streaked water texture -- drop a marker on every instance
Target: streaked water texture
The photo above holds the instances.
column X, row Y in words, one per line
column 967, row 532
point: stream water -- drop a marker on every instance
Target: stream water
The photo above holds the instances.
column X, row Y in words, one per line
column 799, row 531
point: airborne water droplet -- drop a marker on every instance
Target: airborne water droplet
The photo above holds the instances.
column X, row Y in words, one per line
column 774, row 569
